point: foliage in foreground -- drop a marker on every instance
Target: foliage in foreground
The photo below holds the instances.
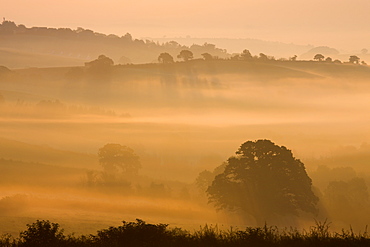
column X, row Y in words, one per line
column 44, row 233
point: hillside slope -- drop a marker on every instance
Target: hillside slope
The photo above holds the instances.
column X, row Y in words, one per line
column 16, row 150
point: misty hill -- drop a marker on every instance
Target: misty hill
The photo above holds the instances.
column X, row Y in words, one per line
column 22, row 47
column 30, row 173
column 44, row 47
column 255, row 46
column 332, row 53
column 256, row 69
column 16, row 150
column 14, row 58
column 37, row 86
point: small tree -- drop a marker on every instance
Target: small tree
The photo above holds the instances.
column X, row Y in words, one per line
column 263, row 57
column 186, row 55
column 114, row 157
column 246, row 55
column 206, row 56
column 165, row 58
column 102, row 62
column 354, row 59
column 318, row 57
column 294, row 58
column 263, row 180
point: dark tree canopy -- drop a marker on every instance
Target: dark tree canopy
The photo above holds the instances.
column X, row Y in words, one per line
column 263, row 180
column 42, row 233
column 354, row 59
column 319, row 57
column 102, row 62
column 186, row 55
column 246, row 55
column 165, row 58
column 207, row 56
column 263, row 57
column 114, row 157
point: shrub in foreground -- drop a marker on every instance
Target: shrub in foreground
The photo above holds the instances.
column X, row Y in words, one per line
column 141, row 234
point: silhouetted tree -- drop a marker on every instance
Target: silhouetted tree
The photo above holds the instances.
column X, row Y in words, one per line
column 42, row 234
column 329, row 60
column 354, row 59
column 263, row 57
column 165, row 58
column 137, row 233
column 102, row 62
column 115, row 156
column 294, row 58
column 127, row 37
column 99, row 73
column 246, row 55
column 263, row 180
column 206, row 56
column 319, row 57
column 186, row 55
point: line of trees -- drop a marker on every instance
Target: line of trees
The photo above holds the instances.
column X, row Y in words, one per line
column 245, row 55
column 352, row 59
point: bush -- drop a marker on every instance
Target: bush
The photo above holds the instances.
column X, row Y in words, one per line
column 42, row 233
column 140, row 234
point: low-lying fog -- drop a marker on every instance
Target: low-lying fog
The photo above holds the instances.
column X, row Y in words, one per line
column 179, row 123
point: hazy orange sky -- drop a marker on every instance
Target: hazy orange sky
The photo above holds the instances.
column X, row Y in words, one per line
column 342, row 24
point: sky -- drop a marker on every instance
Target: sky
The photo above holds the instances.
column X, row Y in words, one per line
column 343, row 24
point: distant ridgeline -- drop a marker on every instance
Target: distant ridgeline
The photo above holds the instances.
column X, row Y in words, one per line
column 81, row 45
column 61, row 47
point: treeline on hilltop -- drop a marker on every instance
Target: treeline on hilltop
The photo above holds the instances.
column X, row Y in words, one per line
column 81, row 45
column 246, row 55
column 86, row 44
column 44, row 233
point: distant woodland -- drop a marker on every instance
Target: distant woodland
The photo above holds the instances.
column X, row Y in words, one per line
column 22, row 47
column 67, row 47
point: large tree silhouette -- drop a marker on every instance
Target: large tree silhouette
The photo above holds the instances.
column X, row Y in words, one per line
column 263, row 180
